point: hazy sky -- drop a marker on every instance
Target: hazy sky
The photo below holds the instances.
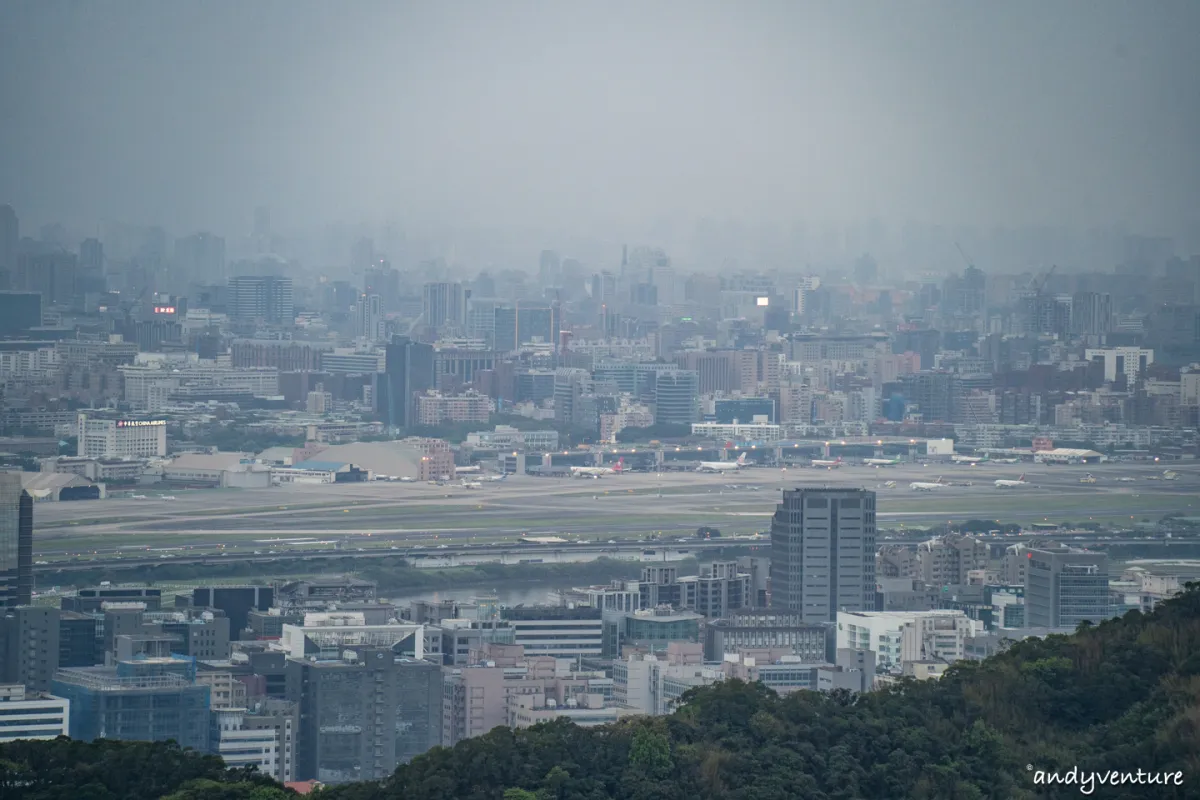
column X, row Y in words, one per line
column 581, row 115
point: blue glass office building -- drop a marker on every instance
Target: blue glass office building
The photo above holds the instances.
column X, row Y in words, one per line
column 152, row 700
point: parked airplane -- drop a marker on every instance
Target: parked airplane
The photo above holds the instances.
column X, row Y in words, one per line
column 596, row 472
column 1008, row 484
column 722, row 466
column 1089, row 478
column 926, row 486
column 828, row 464
column 498, row 477
column 166, row 497
column 138, row 496
column 881, row 462
column 889, row 485
column 968, row 459
column 472, row 485
column 1126, row 479
column 474, row 469
column 1170, row 475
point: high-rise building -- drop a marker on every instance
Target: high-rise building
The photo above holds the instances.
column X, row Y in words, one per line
column 368, row 317
column 55, row 274
column 384, row 281
column 363, row 714
column 1091, row 313
column 236, row 601
column 823, row 552
column 16, row 542
column 932, row 394
column 263, row 298
column 19, row 311
column 549, row 269
column 199, row 259
column 362, row 253
column 91, row 266
column 1131, row 362
column 521, row 324
column 1064, row 587
column 676, row 397
column 31, row 646
column 9, row 238
column 408, row 371
column 444, row 305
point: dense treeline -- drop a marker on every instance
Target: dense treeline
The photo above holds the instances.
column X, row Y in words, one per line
column 1120, row 696
column 63, row 769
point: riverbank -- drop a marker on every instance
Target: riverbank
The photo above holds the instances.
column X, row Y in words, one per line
column 395, row 575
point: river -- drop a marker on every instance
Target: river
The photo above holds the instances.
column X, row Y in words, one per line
column 527, row 594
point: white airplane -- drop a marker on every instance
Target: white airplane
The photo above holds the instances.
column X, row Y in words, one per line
column 889, row 485
column 167, row 497
column 138, row 496
column 495, row 478
column 828, row 464
column 722, row 466
column 1170, row 475
column 1126, row 479
column 472, row 485
column 1017, row 484
column 596, row 472
column 1089, row 478
column 474, row 469
column 926, row 486
column 968, row 459
column 881, row 462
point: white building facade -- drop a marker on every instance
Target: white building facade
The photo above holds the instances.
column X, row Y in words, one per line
column 121, row 438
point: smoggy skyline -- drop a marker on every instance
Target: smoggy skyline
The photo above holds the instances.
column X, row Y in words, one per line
column 589, row 117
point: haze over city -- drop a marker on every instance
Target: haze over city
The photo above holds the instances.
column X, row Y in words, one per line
column 536, row 124
column 684, row 400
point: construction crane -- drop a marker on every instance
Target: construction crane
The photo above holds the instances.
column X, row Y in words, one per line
column 1038, row 286
column 966, row 258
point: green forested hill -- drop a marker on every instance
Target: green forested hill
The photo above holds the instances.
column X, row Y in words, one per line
column 1121, row 696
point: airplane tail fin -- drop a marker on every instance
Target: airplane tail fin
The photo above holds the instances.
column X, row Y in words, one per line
column 1022, row 477
column 741, row 460
column 620, row 464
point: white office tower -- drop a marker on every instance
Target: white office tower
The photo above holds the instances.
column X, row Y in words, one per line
column 823, row 552
column 368, row 317
column 801, row 293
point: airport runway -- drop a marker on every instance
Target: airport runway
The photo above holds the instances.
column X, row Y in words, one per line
column 380, row 514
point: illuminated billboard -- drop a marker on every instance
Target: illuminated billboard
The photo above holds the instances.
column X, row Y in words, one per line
column 140, row 423
column 764, row 301
column 164, row 309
